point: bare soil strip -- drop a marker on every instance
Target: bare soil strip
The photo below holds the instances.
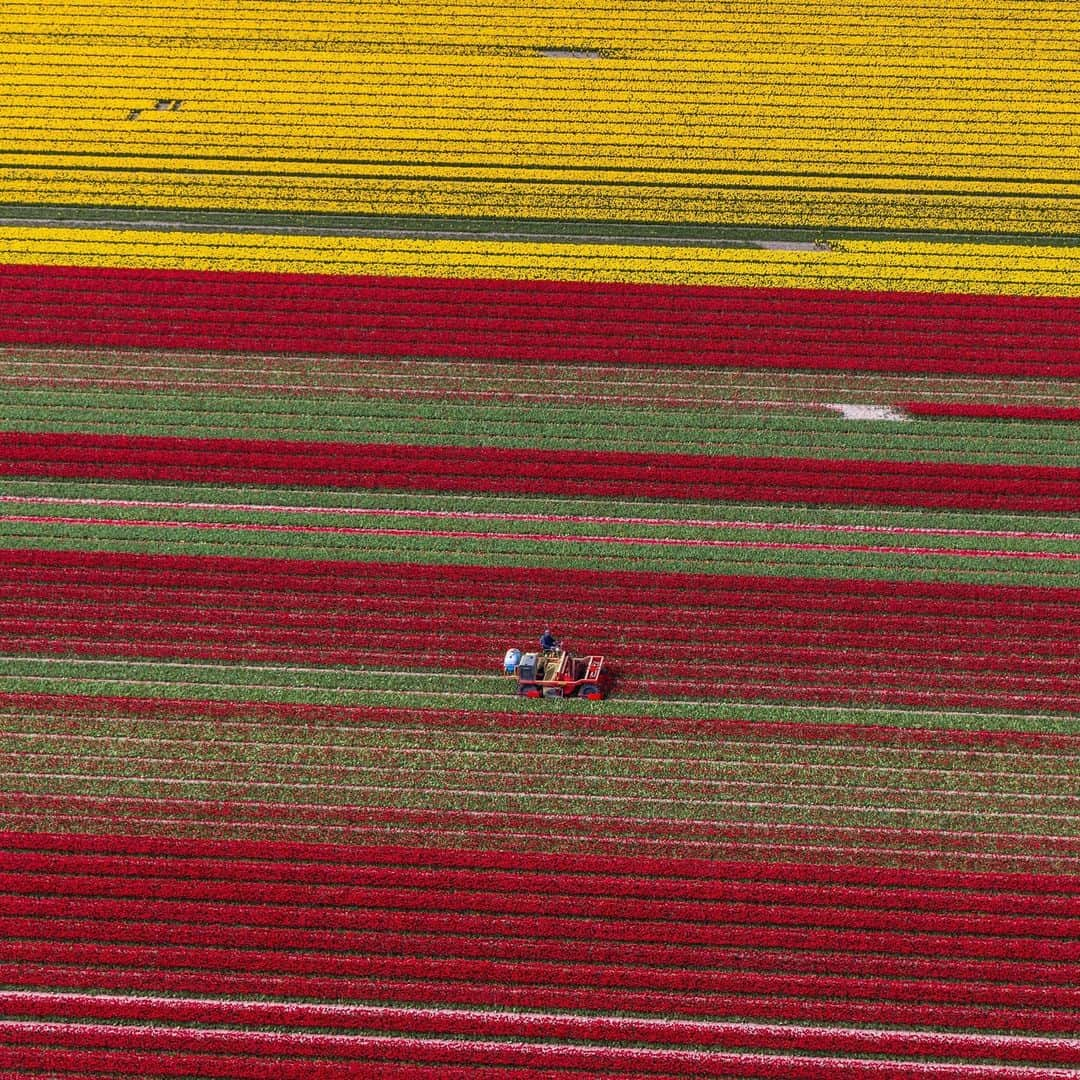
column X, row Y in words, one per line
column 429, row 379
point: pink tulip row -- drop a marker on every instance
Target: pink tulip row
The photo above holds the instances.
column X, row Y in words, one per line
column 603, row 474
column 540, row 320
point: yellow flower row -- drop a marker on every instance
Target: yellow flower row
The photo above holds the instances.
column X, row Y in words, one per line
column 608, row 22
column 661, row 110
column 975, row 268
column 808, row 209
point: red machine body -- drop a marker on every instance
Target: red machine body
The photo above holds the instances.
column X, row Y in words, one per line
column 560, row 674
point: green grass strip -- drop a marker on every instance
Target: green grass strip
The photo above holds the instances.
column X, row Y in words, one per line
column 516, row 424
column 195, row 680
column 407, row 740
column 597, row 555
column 218, row 497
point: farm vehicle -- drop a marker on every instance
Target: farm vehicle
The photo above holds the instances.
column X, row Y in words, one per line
column 556, row 674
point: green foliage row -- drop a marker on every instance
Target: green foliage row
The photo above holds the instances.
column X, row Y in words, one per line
column 999, row 569
column 193, row 680
column 447, row 421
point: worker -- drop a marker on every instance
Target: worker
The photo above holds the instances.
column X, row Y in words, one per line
column 547, row 641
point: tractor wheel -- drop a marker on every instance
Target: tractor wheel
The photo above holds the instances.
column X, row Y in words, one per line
column 528, row 691
column 592, row 692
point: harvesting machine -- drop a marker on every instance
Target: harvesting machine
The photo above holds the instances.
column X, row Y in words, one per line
column 557, row 674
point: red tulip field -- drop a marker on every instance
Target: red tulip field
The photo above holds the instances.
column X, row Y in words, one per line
column 269, row 803
column 539, row 542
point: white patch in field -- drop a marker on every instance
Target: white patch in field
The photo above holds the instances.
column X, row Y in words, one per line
column 866, row 412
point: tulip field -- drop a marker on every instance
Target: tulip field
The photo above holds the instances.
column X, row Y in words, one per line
column 944, row 116
column 344, row 348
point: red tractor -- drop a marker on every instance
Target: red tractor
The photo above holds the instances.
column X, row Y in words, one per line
column 557, row 674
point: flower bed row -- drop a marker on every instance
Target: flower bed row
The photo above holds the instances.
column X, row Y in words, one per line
column 288, row 621
column 487, row 319
column 830, row 955
column 284, row 715
column 983, row 410
column 480, row 469
column 947, row 681
column 509, row 931
column 614, row 1030
column 207, row 579
column 1018, row 851
column 794, row 890
column 392, row 615
column 87, row 1048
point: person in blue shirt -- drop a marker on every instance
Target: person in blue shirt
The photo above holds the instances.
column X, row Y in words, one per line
column 547, row 641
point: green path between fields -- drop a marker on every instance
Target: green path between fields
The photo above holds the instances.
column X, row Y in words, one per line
column 196, row 680
column 534, row 229
column 750, row 433
column 452, row 529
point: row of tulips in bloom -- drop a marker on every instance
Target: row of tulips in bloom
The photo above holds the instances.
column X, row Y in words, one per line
column 498, row 470
column 849, row 897
column 519, row 114
column 414, row 937
column 908, row 267
column 224, row 1053
column 1019, row 851
column 541, row 321
column 803, row 639
column 475, row 1022
column 795, row 205
column 1051, row 413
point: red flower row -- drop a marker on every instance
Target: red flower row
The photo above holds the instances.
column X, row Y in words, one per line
column 896, row 949
column 803, row 888
column 291, row 620
column 1052, row 413
column 504, row 994
column 387, row 614
column 603, row 474
column 865, row 846
column 810, row 954
column 627, row 591
column 538, row 320
column 539, row 897
column 975, row 887
column 359, row 974
column 477, row 1023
